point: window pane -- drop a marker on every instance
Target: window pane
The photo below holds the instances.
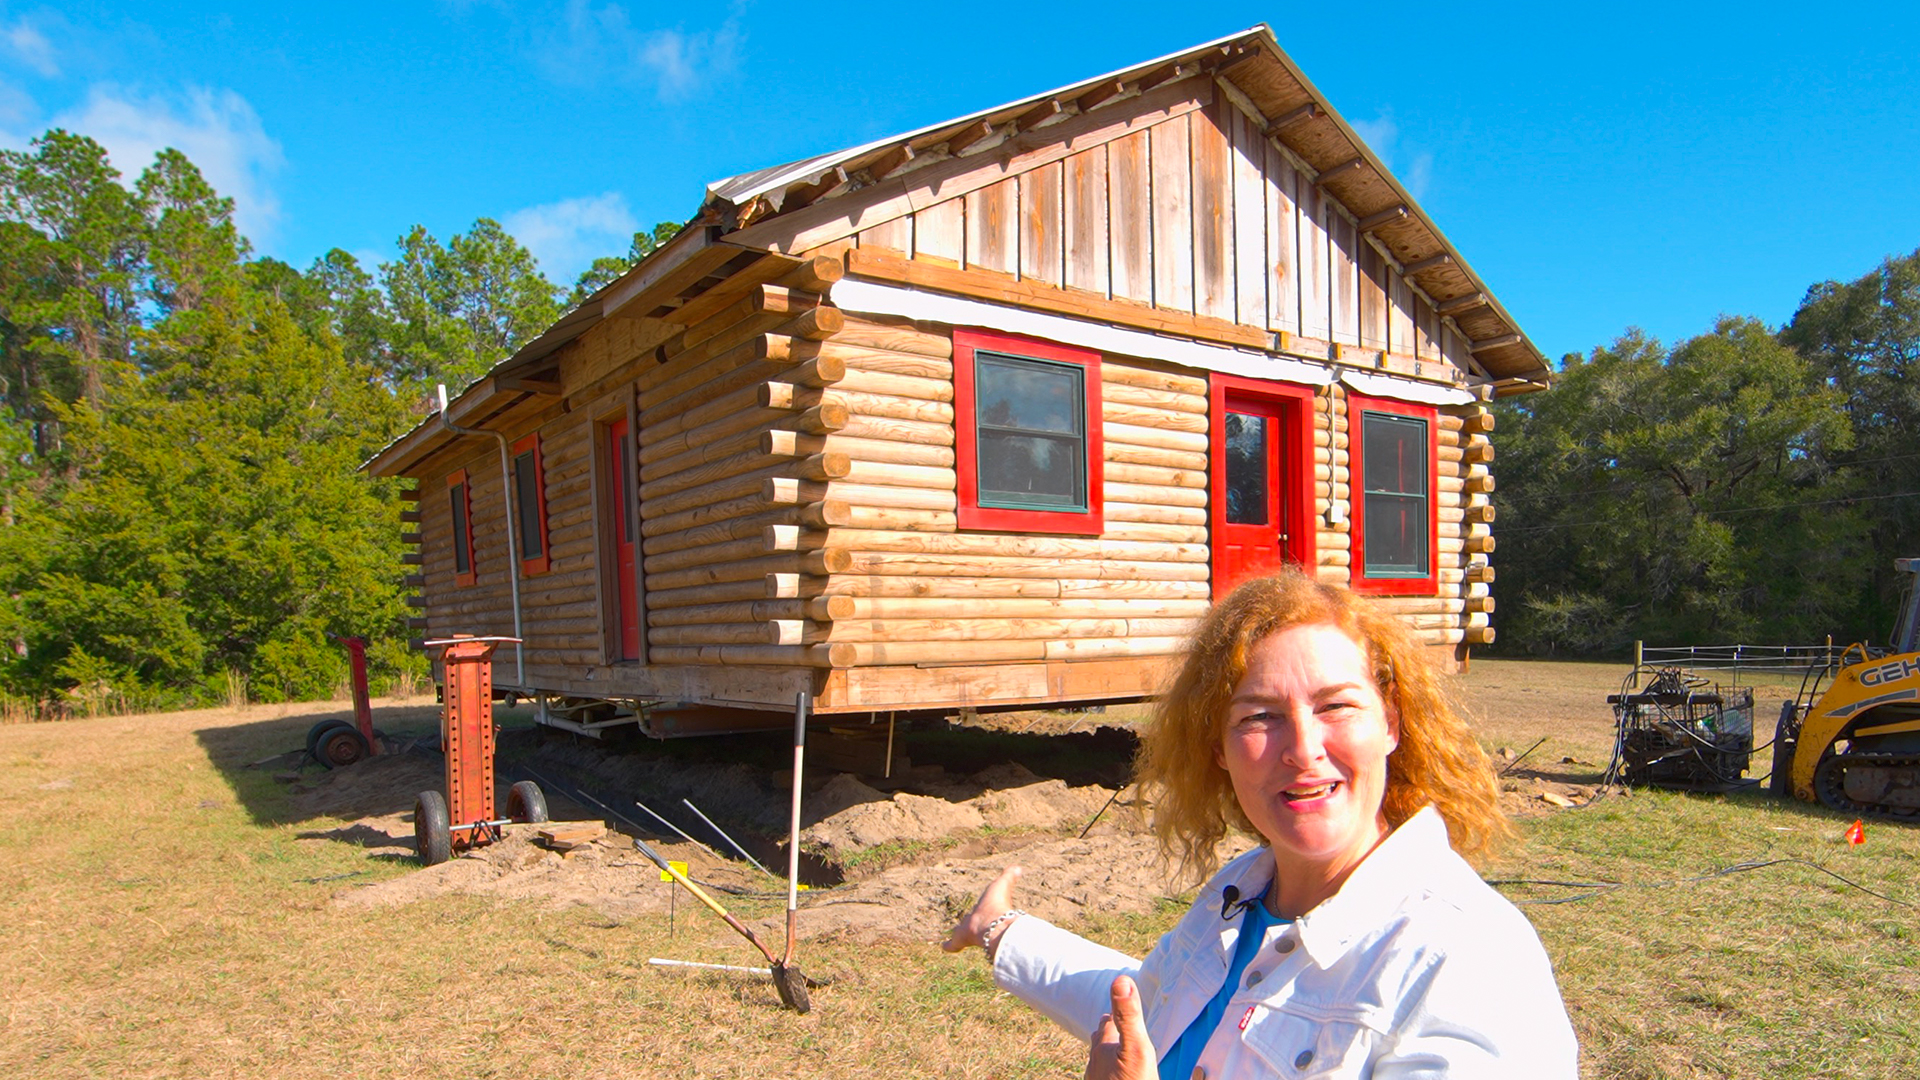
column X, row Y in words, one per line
column 1246, row 452
column 1029, row 395
column 1396, row 454
column 461, row 562
column 1030, row 470
column 1030, row 441
column 526, row 483
column 1396, row 535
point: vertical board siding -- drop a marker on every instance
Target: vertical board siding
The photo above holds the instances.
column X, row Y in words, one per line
column 1426, row 330
column 1344, row 273
column 1373, row 296
column 1130, row 191
column 1201, row 214
column 1253, row 271
column 1316, row 286
column 1041, row 225
column 1170, row 164
column 1085, row 197
column 1283, row 232
column 1213, row 191
column 993, row 226
column 1400, row 314
column 939, row 232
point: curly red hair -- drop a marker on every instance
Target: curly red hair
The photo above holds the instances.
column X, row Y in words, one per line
column 1438, row 762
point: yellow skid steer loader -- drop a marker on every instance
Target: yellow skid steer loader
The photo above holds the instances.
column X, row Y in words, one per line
column 1851, row 740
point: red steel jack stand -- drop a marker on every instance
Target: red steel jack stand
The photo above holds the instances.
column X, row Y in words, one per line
column 464, row 817
column 334, row 742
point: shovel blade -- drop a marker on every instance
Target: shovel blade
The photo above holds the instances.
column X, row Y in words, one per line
column 792, row 987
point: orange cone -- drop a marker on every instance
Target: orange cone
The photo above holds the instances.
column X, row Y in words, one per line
column 1856, row 833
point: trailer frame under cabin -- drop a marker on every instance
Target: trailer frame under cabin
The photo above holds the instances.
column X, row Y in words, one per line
column 981, row 416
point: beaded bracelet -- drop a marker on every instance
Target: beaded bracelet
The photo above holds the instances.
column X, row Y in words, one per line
column 987, row 939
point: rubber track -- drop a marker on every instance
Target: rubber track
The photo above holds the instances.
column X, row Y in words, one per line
column 1827, row 785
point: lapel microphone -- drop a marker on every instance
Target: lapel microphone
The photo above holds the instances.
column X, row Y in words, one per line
column 1231, row 904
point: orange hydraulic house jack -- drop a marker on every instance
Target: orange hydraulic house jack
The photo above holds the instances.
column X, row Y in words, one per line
column 464, row 817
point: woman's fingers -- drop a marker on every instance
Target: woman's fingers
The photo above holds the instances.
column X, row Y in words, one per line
column 996, row 900
column 1121, row 1049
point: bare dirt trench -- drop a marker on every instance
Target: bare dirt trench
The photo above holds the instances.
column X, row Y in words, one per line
column 898, row 858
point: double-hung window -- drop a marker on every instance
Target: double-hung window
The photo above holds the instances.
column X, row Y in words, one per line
column 1027, row 434
column 460, row 520
column 1395, row 526
column 530, row 505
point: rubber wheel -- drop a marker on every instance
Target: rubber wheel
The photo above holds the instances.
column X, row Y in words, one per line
column 432, row 839
column 527, row 803
column 319, row 729
column 340, row 746
column 1780, row 783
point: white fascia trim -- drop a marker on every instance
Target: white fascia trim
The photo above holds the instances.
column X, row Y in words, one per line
column 869, row 298
column 1386, row 386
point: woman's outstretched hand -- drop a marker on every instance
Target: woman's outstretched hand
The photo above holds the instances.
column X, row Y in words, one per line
column 1121, row 1048
column 996, row 901
column 1120, row 1044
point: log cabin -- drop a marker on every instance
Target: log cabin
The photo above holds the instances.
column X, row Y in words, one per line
column 980, row 416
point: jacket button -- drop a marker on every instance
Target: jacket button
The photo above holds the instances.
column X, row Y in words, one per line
column 1283, row 946
column 1253, row 978
column 1199, row 1073
column 1305, row 1059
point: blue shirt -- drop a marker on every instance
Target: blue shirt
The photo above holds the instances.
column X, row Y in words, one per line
column 1178, row 1062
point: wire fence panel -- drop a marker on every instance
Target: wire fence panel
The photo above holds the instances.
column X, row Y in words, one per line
column 1760, row 659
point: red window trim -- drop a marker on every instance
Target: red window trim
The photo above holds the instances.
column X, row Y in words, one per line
column 539, row 564
column 1297, row 492
column 458, row 479
column 970, row 514
column 1357, row 405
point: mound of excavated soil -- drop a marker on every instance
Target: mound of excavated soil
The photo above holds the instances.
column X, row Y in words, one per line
column 942, row 836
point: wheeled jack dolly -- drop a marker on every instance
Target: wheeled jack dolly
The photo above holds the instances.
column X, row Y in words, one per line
column 464, row 817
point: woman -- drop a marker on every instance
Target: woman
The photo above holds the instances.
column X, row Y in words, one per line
column 1354, row 942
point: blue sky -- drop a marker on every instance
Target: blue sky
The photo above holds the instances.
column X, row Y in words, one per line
column 1605, row 166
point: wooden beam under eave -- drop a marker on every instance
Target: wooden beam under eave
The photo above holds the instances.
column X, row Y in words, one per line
column 1384, row 217
column 1337, row 171
column 1495, row 343
column 1040, row 114
column 1461, row 303
column 539, row 387
column 891, row 162
column 1101, row 94
column 665, row 273
column 1169, row 74
column 1431, row 262
column 967, row 137
column 1298, row 116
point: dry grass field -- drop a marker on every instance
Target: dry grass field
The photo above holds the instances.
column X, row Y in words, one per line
column 168, row 911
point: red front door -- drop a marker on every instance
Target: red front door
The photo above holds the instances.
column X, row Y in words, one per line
column 1261, row 503
column 620, row 511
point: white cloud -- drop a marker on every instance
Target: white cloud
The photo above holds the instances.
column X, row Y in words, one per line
column 594, row 45
column 30, row 46
column 567, row 236
column 1382, row 134
column 217, row 130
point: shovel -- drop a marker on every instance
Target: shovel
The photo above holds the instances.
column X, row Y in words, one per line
column 786, row 977
column 786, row 974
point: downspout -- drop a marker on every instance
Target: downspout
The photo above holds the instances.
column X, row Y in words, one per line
column 513, row 548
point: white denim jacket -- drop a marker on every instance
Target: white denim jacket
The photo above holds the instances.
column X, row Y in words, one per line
column 1415, row 968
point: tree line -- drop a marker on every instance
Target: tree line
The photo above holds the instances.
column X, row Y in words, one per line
column 182, row 519
column 181, row 423
column 1749, row 485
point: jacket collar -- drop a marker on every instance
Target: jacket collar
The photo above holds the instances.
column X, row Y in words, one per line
column 1408, row 861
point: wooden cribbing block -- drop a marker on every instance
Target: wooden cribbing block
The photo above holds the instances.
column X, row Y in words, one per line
column 568, row 835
